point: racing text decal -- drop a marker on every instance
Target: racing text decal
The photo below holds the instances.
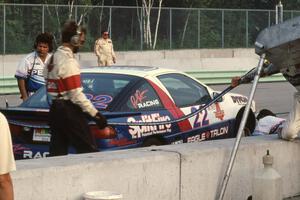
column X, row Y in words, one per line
column 140, row 131
column 208, row 134
column 239, row 100
column 137, row 100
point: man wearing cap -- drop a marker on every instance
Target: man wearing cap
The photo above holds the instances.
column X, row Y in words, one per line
column 104, row 50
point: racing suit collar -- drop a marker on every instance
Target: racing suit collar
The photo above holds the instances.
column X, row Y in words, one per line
column 66, row 50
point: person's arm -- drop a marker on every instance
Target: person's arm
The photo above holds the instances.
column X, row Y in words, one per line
column 7, row 162
column 21, row 75
column 6, row 187
column 268, row 70
column 22, row 88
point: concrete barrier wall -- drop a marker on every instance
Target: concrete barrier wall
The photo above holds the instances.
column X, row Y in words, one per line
column 184, row 60
column 183, row 172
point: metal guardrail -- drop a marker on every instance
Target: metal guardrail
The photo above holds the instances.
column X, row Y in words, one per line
column 8, row 85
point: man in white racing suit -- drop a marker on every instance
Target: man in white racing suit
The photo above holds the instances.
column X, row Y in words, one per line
column 70, row 107
column 104, row 50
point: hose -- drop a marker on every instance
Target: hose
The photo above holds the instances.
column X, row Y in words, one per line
column 244, row 79
column 175, row 120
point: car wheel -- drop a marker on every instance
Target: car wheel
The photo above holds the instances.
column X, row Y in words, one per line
column 152, row 142
column 250, row 124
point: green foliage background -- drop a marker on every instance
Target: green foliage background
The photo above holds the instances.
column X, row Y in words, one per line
column 190, row 28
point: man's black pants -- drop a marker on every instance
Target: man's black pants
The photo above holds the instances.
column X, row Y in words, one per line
column 69, row 126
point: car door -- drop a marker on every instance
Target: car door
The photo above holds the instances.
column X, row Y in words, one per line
column 152, row 104
column 189, row 95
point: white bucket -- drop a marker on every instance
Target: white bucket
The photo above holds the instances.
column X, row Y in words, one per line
column 102, row 195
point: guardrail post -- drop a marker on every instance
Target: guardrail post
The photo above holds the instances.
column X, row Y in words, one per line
column 199, row 26
column 247, row 29
column 43, row 18
column 4, row 30
column 170, row 17
column 222, row 28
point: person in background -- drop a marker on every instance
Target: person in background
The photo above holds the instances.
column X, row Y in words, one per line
column 70, row 107
column 7, row 161
column 104, row 50
column 29, row 73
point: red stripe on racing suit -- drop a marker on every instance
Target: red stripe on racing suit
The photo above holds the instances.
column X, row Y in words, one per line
column 63, row 80
column 64, row 84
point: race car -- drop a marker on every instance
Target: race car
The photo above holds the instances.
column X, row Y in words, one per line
column 134, row 94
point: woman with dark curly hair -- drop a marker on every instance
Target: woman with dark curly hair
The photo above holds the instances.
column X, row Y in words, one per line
column 30, row 70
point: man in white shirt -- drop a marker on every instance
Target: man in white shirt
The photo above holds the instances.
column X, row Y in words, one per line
column 30, row 70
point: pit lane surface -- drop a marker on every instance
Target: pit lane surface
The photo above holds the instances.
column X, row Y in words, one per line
column 276, row 96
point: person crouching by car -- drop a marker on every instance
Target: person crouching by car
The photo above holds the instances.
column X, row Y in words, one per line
column 68, row 111
column 29, row 73
column 268, row 123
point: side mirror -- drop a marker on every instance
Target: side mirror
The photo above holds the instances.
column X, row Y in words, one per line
column 215, row 94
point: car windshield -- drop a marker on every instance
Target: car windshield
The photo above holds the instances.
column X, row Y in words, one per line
column 101, row 89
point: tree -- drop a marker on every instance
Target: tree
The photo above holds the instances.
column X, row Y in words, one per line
column 145, row 21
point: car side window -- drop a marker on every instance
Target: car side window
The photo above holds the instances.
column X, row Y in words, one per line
column 184, row 90
column 142, row 97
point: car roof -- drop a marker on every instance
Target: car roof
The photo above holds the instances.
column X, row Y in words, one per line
column 140, row 71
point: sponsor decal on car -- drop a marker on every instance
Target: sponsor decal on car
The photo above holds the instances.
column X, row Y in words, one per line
column 31, row 154
column 19, row 149
column 41, row 135
column 208, row 134
column 148, row 103
column 140, row 131
column 239, row 100
column 219, row 113
column 138, row 98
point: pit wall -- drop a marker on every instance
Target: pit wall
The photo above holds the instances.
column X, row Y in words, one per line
column 184, row 172
column 184, row 60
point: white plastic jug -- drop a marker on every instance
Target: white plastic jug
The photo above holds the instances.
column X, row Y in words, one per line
column 102, row 195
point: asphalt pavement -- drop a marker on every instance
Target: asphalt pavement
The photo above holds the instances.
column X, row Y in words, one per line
column 276, row 96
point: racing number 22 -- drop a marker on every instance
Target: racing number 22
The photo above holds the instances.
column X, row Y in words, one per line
column 201, row 118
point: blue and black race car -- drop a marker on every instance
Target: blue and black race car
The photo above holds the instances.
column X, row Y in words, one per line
column 131, row 94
